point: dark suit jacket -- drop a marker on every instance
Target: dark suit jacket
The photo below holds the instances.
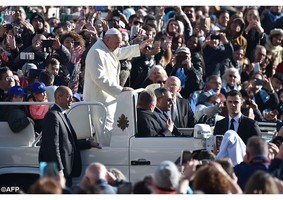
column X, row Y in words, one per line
column 163, row 120
column 247, row 128
column 16, row 117
column 60, row 144
column 185, row 113
column 149, row 124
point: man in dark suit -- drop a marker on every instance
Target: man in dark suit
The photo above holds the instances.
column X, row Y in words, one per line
column 244, row 126
column 163, row 107
column 181, row 112
column 149, row 123
column 59, row 140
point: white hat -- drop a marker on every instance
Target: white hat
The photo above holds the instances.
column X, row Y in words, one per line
column 28, row 66
column 183, row 49
column 113, row 31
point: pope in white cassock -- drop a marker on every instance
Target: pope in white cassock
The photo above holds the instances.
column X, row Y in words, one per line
column 102, row 70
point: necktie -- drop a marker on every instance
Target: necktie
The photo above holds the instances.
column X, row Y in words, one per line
column 174, row 114
column 69, row 123
column 232, row 124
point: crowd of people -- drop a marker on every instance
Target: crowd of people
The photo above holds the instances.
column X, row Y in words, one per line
column 199, row 63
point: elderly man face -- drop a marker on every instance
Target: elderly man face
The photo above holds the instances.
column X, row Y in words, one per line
column 173, row 84
column 113, row 41
column 260, row 54
column 164, row 103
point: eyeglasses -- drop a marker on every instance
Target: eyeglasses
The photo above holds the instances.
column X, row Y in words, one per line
column 232, row 76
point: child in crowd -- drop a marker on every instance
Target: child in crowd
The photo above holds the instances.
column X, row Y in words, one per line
column 17, row 115
column 37, row 112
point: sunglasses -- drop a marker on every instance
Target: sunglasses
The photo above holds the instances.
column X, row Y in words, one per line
column 137, row 23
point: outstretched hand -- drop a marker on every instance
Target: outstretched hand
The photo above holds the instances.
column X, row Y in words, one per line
column 146, row 43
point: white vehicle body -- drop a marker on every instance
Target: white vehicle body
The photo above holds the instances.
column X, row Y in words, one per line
column 135, row 157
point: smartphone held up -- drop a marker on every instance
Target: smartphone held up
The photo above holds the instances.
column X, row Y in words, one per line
column 217, row 141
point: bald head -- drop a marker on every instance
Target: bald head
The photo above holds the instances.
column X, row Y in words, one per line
column 95, row 171
column 63, row 97
column 173, row 83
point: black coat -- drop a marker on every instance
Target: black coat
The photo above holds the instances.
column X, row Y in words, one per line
column 149, row 124
column 164, row 121
column 17, row 118
column 247, row 128
column 60, row 144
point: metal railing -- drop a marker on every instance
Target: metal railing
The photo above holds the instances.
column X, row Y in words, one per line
column 73, row 105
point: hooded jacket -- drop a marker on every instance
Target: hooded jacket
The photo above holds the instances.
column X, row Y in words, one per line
column 276, row 50
column 180, row 24
column 237, row 39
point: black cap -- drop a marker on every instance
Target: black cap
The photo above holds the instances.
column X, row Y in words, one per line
column 37, row 15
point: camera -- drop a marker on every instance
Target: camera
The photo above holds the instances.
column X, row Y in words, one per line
column 215, row 37
column 76, row 44
column 180, row 59
column 259, row 82
column 248, row 101
column 218, row 140
column 47, row 43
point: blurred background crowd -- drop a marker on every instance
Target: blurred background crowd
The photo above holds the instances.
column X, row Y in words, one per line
column 240, row 44
column 210, row 49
